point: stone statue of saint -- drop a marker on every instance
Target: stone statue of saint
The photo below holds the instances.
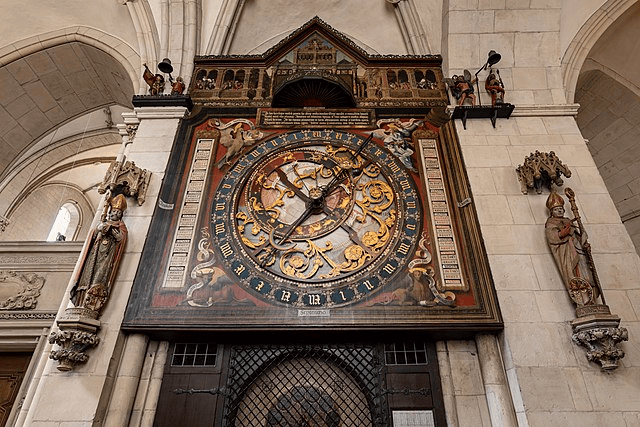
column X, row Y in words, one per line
column 567, row 246
column 101, row 259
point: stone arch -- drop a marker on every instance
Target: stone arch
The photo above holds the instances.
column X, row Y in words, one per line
column 586, row 38
column 55, row 79
column 49, row 177
column 120, row 50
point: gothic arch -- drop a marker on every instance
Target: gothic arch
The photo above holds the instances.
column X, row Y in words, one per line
column 113, row 46
column 586, row 38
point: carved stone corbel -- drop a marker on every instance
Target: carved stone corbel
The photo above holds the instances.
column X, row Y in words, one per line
column 600, row 335
column 126, row 179
column 541, row 169
column 77, row 334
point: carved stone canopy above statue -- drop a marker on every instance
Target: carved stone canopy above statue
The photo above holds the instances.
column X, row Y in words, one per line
column 541, row 170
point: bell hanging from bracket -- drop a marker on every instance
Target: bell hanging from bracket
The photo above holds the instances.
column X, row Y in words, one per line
column 166, row 67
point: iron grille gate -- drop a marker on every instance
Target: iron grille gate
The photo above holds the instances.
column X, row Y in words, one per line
column 306, row 386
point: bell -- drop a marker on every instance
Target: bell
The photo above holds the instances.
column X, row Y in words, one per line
column 494, row 57
column 165, row 65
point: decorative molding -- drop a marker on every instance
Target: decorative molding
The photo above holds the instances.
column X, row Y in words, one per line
column 30, row 259
column 3, row 223
column 28, row 290
column 43, row 315
column 161, row 112
column 546, row 110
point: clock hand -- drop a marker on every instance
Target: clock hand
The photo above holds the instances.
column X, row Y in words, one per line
column 337, row 179
column 290, row 186
column 302, row 218
column 295, row 170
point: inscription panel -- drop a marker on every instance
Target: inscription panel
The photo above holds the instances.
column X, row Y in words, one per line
column 281, row 118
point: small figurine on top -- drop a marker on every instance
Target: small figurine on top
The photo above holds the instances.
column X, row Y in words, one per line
column 177, row 87
column 462, row 87
column 155, row 81
column 495, row 87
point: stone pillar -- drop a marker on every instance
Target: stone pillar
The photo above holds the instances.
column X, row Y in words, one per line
column 146, row 403
column 462, row 386
column 446, row 382
column 76, row 397
column 501, row 409
column 126, row 383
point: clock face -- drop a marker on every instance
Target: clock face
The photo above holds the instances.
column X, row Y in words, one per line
column 316, row 219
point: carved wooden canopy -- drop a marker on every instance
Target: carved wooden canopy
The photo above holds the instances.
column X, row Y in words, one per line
column 317, row 66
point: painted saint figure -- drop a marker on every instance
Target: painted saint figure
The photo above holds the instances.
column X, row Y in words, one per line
column 567, row 246
column 101, row 259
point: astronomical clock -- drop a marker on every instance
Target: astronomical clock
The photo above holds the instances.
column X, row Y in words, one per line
column 315, row 187
column 314, row 234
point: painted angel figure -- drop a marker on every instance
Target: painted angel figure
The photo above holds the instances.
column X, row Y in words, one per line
column 397, row 137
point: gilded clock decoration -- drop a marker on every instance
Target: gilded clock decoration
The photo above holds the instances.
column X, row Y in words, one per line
column 315, row 218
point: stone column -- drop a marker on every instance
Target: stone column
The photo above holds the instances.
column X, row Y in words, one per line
column 146, row 404
column 501, row 409
column 126, row 383
column 462, row 386
column 446, row 382
column 79, row 396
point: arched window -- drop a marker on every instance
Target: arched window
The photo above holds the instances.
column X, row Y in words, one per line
column 66, row 223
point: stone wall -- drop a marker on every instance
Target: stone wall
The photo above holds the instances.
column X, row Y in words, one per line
column 92, row 383
column 551, row 381
column 34, row 217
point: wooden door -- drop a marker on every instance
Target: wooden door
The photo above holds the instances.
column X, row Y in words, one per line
column 12, row 369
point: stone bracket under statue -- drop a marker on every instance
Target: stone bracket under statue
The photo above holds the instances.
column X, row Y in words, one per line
column 595, row 328
column 78, row 327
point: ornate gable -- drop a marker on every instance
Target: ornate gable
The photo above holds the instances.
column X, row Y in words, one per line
column 317, row 66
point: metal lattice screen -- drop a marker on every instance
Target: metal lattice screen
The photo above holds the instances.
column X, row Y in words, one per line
column 320, row 386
